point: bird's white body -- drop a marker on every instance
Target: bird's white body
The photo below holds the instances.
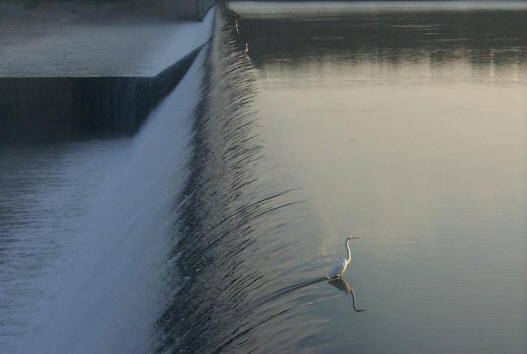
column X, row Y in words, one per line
column 342, row 264
column 338, row 268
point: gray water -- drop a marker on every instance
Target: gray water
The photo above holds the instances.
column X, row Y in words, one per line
column 45, row 195
column 404, row 124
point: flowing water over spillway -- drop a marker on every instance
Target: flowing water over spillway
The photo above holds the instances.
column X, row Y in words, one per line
column 212, row 230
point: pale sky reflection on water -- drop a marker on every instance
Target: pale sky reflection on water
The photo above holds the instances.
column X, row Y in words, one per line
column 425, row 159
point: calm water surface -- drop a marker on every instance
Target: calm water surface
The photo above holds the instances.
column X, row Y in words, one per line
column 404, row 124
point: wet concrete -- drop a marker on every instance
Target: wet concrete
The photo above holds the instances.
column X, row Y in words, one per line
column 89, row 77
column 64, row 108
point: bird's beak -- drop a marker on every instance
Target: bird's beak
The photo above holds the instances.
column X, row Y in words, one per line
column 354, row 237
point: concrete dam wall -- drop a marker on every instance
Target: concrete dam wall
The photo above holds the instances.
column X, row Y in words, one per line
column 33, row 108
column 95, row 79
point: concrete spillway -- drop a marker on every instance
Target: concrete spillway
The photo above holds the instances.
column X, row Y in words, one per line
column 77, row 107
column 87, row 226
column 75, row 80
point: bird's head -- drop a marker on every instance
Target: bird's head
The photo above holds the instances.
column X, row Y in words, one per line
column 352, row 238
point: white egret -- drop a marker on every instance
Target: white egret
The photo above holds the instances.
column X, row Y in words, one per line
column 342, row 264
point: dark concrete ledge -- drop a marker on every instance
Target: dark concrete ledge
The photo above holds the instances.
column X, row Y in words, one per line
column 96, row 11
column 64, row 108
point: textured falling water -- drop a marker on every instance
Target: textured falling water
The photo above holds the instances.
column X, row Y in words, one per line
column 233, row 215
column 217, row 216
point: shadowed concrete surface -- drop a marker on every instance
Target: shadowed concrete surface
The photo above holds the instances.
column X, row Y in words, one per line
column 33, row 108
column 67, row 75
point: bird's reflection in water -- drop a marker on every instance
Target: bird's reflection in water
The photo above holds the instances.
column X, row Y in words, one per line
column 344, row 286
column 337, row 282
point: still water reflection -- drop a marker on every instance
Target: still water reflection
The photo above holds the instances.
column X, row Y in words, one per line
column 405, row 124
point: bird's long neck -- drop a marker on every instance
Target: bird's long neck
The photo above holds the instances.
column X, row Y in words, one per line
column 348, row 258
